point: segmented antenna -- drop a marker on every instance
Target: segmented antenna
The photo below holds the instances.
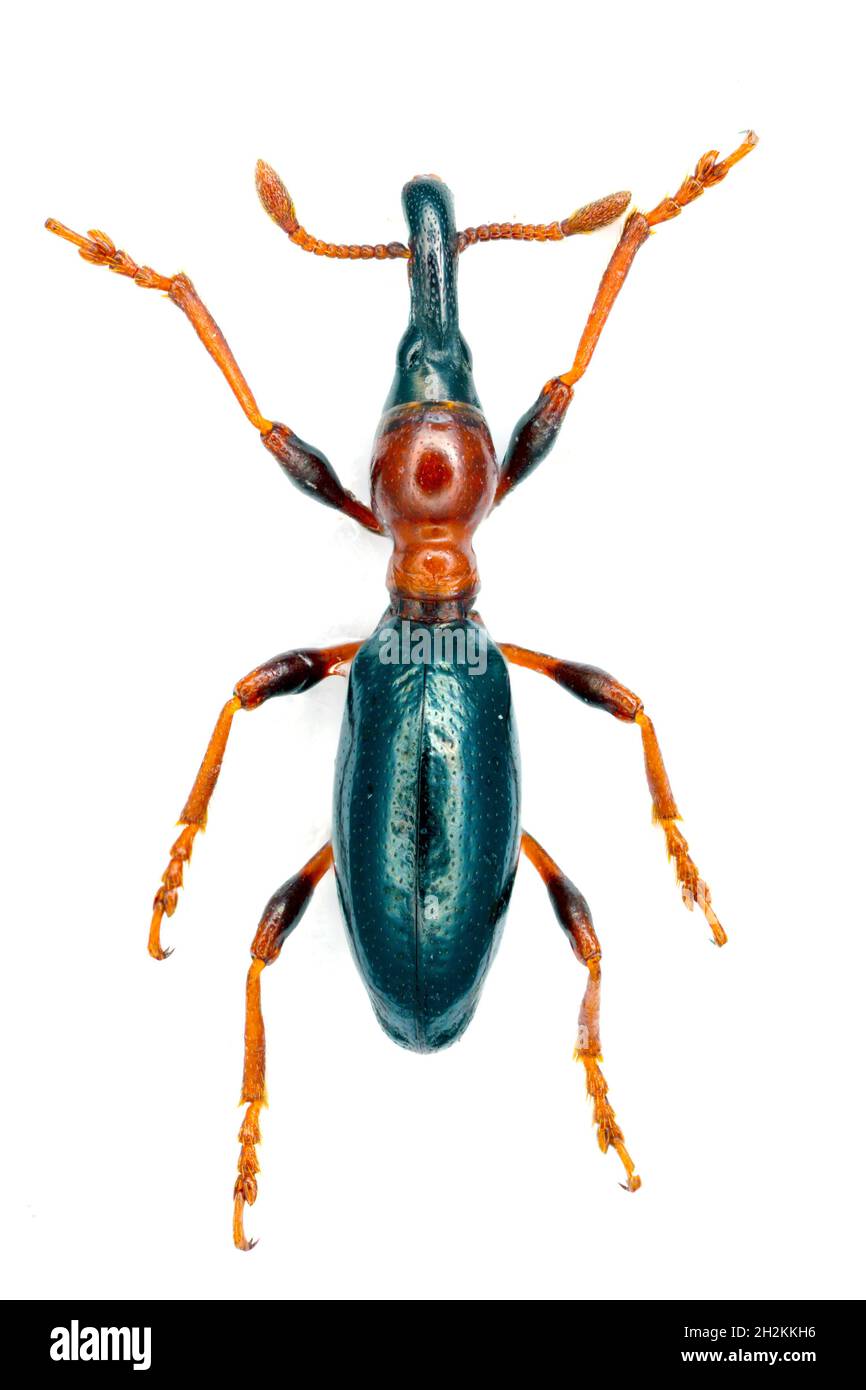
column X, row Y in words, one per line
column 586, row 219
column 278, row 204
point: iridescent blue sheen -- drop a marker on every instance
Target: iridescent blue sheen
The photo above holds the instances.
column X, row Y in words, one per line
column 426, row 824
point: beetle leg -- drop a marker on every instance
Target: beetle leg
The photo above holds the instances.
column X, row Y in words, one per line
column 287, row 674
column 281, row 916
column 304, row 465
column 572, row 911
column 535, row 433
column 597, row 688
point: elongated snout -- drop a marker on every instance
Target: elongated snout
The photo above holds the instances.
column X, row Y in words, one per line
column 433, row 361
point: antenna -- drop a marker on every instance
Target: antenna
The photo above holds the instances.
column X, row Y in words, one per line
column 277, row 203
column 586, row 219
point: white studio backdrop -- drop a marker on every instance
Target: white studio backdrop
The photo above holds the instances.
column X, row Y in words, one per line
column 697, row 532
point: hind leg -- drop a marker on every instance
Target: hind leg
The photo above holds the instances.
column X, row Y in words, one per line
column 281, row 916
column 574, row 916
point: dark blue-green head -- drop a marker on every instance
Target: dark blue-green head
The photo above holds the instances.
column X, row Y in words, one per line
column 433, row 361
column 434, row 364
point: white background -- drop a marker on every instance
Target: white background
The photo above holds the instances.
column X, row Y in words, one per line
column 698, row 532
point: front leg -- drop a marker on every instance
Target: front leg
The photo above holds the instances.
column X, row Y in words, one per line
column 303, row 464
column 535, row 433
column 597, row 688
column 288, row 674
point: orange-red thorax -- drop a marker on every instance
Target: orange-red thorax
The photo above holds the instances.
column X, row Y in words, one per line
column 434, row 476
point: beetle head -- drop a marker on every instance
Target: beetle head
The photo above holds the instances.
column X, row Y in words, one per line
column 433, row 361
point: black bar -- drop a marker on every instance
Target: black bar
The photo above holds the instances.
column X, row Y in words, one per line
column 613, row 1339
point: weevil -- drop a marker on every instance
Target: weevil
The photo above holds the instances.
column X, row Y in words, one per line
column 426, row 812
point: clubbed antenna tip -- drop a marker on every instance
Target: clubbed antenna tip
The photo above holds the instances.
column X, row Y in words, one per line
column 278, row 204
column 586, row 219
column 596, row 215
column 275, row 198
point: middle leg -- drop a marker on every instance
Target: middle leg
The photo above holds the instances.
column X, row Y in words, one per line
column 596, row 687
column 287, row 674
column 572, row 911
